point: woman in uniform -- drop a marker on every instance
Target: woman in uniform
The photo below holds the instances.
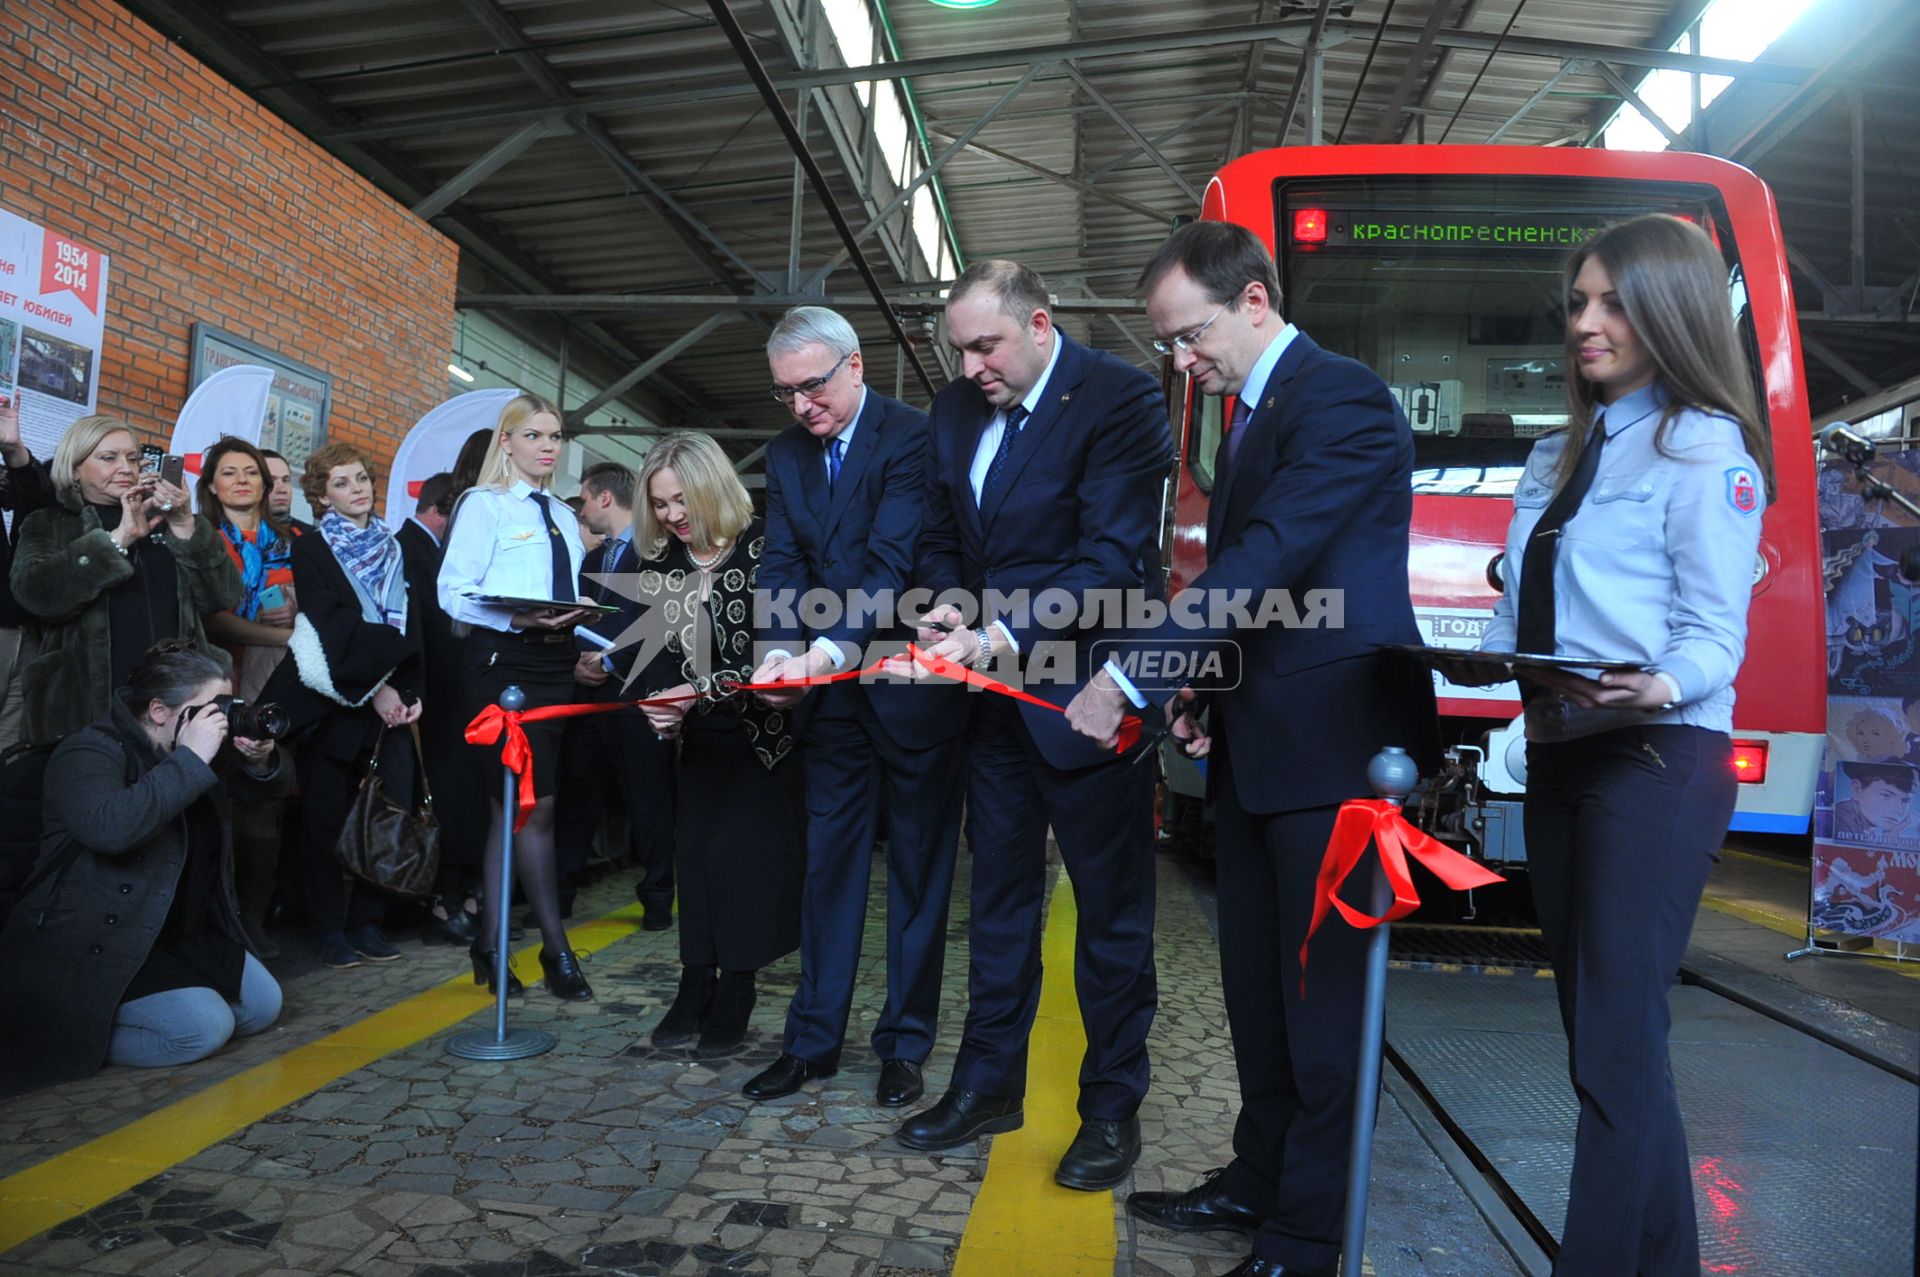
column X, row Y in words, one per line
column 740, row 834
column 1633, row 539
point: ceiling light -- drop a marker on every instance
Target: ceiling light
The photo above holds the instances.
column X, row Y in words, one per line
column 460, row 372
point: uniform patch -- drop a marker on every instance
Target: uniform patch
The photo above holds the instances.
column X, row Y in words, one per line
column 1743, row 490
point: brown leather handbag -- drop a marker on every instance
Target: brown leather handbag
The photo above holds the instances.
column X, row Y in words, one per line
column 386, row 845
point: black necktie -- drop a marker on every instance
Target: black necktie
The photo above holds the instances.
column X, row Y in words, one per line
column 1534, row 631
column 1237, row 429
column 1016, row 416
column 564, row 588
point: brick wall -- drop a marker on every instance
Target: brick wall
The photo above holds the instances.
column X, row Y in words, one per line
column 212, row 208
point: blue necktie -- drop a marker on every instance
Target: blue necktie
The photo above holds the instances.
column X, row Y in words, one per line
column 1237, row 428
column 1016, row 417
column 609, row 563
column 836, row 451
column 564, row 588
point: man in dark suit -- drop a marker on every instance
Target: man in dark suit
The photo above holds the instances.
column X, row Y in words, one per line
column 605, row 753
column 845, row 491
column 1312, row 501
column 1048, row 466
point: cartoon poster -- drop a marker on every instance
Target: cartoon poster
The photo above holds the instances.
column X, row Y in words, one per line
column 1866, row 820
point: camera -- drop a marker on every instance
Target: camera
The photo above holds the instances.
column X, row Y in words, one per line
column 253, row 722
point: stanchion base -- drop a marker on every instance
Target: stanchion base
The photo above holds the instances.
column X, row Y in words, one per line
column 517, row 1045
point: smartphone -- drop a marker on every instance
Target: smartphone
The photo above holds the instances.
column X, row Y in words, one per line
column 150, row 454
column 173, row 469
column 273, row 597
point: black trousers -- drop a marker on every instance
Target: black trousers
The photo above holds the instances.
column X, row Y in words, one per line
column 1102, row 817
column 328, row 785
column 1295, row 1054
column 609, row 756
column 1622, row 829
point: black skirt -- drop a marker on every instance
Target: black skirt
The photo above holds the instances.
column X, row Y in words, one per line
column 544, row 671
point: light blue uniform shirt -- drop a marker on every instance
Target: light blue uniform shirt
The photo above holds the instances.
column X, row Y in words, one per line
column 498, row 545
column 1656, row 566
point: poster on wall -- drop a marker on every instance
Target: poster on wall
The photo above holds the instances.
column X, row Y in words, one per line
column 295, row 422
column 53, row 305
column 1866, row 820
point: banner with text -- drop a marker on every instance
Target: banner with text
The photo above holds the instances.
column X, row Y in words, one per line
column 53, row 304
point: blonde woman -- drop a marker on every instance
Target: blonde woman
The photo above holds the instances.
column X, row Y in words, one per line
column 120, row 564
column 512, row 538
column 740, row 801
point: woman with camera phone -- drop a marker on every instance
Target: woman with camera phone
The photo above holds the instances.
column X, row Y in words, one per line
column 351, row 685
column 126, row 945
column 121, row 563
column 511, row 538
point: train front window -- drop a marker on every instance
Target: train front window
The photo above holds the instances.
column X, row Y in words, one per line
column 1450, row 288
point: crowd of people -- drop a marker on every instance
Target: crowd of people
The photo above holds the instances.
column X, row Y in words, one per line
column 752, row 790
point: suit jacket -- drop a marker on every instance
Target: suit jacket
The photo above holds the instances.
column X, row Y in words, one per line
column 862, row 535
column 611, row 625
column 1318, row 497
column 1077, row 510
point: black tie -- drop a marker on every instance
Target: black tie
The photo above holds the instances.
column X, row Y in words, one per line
column 1535, row 623
column 564, row 588
column 1016, row 416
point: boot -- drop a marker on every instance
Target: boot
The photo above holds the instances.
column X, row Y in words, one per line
column 726, row 1025
column 689, row 1010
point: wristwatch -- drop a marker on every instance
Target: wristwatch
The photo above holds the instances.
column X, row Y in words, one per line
column 984, row 637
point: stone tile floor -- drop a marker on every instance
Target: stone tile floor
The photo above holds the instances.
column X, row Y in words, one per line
column 607, row 1156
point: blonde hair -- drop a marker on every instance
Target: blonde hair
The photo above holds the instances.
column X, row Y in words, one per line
column 498, row 470
column 319, row 469
column 718, row 507
column 75, row 446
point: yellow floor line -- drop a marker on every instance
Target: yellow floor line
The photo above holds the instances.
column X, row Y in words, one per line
column 71, row 1183
column 1023, row 1222
column 1797, row 929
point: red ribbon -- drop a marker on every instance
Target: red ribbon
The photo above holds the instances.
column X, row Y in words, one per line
column 1377, row 821
column 492, row 723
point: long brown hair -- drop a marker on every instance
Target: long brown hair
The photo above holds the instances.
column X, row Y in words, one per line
column 1672, row 284
column 210, row 504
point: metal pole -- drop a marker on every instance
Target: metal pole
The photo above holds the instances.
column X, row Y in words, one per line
column 1392, row 775
column 503, row 1044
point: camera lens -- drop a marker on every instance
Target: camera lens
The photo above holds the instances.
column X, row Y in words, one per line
column 257, row 722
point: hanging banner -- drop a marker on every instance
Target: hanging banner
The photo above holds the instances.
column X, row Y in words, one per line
column 231, row 402
column 53, row 305
column 434, row 445
column 1866, row 820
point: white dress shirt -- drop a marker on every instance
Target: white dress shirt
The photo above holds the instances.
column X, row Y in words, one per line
column 497, row 545
column 990, row 437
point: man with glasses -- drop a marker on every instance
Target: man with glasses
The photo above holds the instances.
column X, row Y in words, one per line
column 1048, row 464
column 845, row 485
column 1312, row 493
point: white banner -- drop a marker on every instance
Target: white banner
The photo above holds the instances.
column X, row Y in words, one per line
column 53, row 302
column 231, row 402
column 434, row 445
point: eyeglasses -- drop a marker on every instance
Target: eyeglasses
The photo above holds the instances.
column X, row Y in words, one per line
column 1188, row 339
column 811, row 388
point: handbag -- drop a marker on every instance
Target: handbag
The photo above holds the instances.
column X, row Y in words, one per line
column 386, row 845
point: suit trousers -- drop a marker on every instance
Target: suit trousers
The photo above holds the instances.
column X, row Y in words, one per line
column 1622, row 829
column 1102, row 817
column 1295, row 1053
column 850, row 762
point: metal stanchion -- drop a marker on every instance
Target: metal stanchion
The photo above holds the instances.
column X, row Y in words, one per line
column 502, row 1043
column 1393, row 775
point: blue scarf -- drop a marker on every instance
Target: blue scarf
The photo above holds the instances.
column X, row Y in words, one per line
column 372, row 559
column 266, row 552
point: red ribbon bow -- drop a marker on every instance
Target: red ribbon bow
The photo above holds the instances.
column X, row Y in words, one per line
column 1375, row 820
column 492, row 723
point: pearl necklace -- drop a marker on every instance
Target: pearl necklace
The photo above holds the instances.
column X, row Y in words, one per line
column 709, row 564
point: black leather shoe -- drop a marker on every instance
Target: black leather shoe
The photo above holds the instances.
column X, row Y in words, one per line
column 565, row 980
column 1254, row 1266
column 483, row 969
column 960, row 1118
column 900, row 1084
column 657, row 917
column 1100, row 1155
column 1201, row 1208
column 783, row 1077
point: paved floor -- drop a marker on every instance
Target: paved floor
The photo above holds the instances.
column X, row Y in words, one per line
column 608, row 1156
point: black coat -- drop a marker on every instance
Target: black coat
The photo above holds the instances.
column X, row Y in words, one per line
column 73, row 944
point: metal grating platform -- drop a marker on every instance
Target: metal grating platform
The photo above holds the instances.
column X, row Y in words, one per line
column 1803, row 1156
column 1467, row 945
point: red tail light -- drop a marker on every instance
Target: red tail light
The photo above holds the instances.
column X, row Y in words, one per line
column 1750, row 761
column 1310, row 226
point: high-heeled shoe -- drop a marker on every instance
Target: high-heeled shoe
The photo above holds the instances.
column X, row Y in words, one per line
column 689, row 1009
column 483, row 971
column 564, row 977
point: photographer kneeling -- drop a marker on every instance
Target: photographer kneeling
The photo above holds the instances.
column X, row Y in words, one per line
column 127, row 946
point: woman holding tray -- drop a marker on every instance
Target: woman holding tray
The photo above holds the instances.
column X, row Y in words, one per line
column 511, row 538
column 1633, row 539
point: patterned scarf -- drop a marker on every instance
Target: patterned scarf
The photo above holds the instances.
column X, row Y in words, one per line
column 267, row 552
column 371, row 557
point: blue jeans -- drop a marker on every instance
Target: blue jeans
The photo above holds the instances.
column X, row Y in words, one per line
column 183, row 1025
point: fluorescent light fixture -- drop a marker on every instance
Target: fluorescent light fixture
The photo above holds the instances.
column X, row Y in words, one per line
column 460, row 372
column 962, row 4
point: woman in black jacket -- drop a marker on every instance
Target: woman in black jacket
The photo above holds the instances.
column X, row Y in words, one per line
column 126, row 947
column 355, row 674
